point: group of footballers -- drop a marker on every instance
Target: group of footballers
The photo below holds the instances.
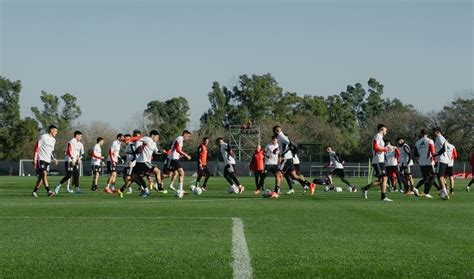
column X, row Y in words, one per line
column 279, row 159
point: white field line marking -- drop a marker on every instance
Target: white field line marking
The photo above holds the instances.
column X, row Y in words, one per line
column 241, row 265
column 120, row 201
column 116, row 217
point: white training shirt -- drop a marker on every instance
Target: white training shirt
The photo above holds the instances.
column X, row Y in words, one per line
column 177, row 144
column 114, row 151
column 423, row 147
column 74, row 151
column 334, row 161
column 296, row 160
column 45, row 148
column 284, row 142
column 147, row 149
column 271, row 154
column 131, row 158
column 405, row 156
column 439, row 143
column 379, row 156
column 449, row 150
column 96, row 152
column 391, row 158
column 226, row 156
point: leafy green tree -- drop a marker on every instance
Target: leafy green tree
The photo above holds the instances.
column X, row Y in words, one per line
column 355, row 96
column 457, row 122
column 16, row 134
column 169, row 117
column 256, row 97
column 61, row 111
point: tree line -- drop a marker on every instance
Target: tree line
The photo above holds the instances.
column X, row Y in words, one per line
column 346, row 120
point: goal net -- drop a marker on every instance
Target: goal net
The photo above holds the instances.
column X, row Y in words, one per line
column 27, row 168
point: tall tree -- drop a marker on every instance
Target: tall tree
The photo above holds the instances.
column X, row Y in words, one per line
column 170, row 117
column 256, row 97
column 16, row 134
column 457, row 122
column 61, row 111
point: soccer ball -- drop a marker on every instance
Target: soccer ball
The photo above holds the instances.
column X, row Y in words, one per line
column 197, row 190
column 233, row 189
column 338, row 189
column 192, row 188
column 179, row 194
column 267, row 193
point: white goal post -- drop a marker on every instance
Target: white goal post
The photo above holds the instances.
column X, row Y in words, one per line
column 26, row 168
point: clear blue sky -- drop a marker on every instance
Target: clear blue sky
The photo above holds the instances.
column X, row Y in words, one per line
column 116, row 56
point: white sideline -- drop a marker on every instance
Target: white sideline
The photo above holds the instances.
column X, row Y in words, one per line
column 115, row 217
column 240, row 252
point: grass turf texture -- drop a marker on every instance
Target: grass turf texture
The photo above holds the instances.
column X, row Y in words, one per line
column 328, row 235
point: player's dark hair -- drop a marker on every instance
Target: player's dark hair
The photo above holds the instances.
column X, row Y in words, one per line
column 273, row 137
column 400, row 138
column 387, row 141
column 186, row 132
column 275, row 127
column 154, row 133
column 52, row 127
column 127, row 136
column 219, row 139
column 423, row 132
column 136, row 132
column 380, row 126
column 119, row 135
column 76, row 133
column 204, row 139
column 437, row 130
column 99, row 139
column 327, row 146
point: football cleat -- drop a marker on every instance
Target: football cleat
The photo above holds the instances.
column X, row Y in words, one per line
column 241, row 189
column 274, row 195
column 56, row 189
column 120, row 194
column 34, row 194
column 468, row 189
column 256, row 192
column 290, row 192
column 172, row 188
column 387, row 200
column 163, row 191
column 428, row 196
column 416, row 192
column 51, row 194
column 365, row 193
column 107, row 190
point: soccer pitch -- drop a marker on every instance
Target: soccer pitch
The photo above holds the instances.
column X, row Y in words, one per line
column 328, row 235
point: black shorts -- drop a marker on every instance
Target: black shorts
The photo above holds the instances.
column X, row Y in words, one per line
column 339, row 172
column 406, row 170
column 174, row 165
column 273, row 169
column 69, row 167
column 204, row 171
column 143, row 169
column 111, row 167
column 441, row 169
column 96, row 169
column 449, row 171
column 286, row 166
column 392, row 171
column 427, row 171
column 297, row 167
column 379, row 170
column 41, row 167
column 127, row 171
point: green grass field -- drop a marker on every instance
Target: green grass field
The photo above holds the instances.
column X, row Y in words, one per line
column 329, row 235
